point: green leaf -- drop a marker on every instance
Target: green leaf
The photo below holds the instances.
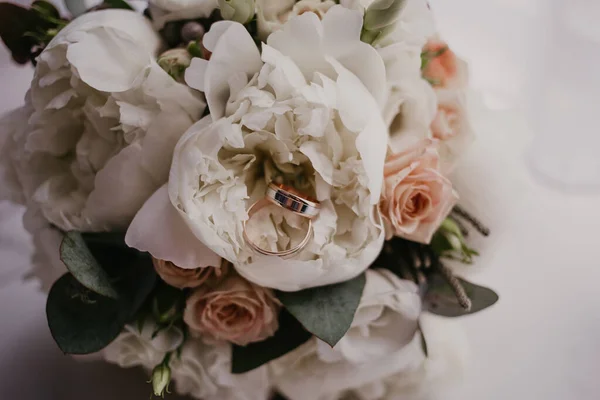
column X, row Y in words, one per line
column 290, row 335
column 441, row 300
column 46, row 9
column 326, row 311
column 81, row 321
column 79, row 260
column 76, row 7
column 122, row 4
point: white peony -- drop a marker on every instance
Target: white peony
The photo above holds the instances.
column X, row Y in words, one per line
column 306, row 109
column 164, row 11
column 134, row 348
column 381, row 342
column 204, row 372
column 102, row 121
column 443, row 368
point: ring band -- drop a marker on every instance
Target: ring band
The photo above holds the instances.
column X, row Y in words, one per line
column 289, row 198
column 254, row 208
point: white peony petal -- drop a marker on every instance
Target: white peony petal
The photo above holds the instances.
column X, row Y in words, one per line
column 133, row 25
column 342, row 28
column 120, row 189
column 360, row 112
column 195, row 74
column 159, row 229
column 108, row 60
column 234, row 52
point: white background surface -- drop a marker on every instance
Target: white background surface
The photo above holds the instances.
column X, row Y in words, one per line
column 537, row 175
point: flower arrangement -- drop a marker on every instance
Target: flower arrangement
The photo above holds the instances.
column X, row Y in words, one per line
column 246, row 197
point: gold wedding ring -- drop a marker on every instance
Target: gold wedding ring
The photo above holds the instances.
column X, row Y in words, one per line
column 289, row 198
column 254, row 208
column 292, row 200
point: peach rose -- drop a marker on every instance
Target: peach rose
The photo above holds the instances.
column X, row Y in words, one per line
column 444, row 69
column 416, row 197
column 189, row 278
column 236, row 310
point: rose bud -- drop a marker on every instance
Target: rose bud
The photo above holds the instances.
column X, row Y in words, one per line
column 161, row 377
column 241, row 11
column 175, row 62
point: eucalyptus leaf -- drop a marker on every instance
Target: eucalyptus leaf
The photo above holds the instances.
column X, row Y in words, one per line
column 290, row 335
column 79, row 260
column 78, row 7
column 440, row 299
column 81, row 321
column 326, row 311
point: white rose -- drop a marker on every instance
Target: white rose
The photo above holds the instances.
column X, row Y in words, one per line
column 381, row 342
column 272, row 15
column 204, row 372
column 308, row 108
column 443, row 367
column 164, row 11
column 104, row 119
column 134, row 348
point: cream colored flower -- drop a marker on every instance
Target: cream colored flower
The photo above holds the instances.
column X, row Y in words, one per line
column 203, row 371
column 444, row 366
column 304, row 112
column 236, row 311
column 381, row 342
column 134, row 348
column 416, row 197
column 104, row 119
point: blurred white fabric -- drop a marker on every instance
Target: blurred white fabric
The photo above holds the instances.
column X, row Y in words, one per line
column 532, row 176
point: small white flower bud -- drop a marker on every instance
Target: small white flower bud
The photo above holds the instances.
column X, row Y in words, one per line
column 380, row 19
column 161, row 377
column 175, row 62
column 241, row 11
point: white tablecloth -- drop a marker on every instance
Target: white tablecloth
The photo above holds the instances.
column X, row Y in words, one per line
column 535, row 186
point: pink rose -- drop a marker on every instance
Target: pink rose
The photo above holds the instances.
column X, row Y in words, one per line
column 189, row 278
column 236, row 310
column 444, row 69
column 416, row 197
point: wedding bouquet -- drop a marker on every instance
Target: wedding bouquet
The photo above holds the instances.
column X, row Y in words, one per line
column 246, row 197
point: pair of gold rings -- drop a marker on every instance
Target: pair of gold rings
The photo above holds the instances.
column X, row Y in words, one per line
column 289, row 199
